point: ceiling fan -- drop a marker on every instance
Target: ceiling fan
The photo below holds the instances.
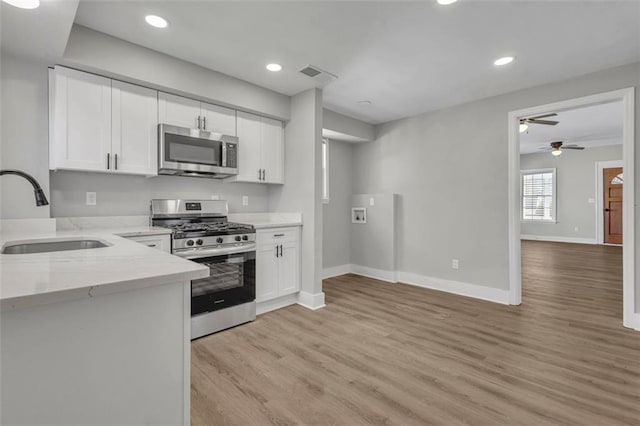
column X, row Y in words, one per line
column 524, row 122
column 557, row 147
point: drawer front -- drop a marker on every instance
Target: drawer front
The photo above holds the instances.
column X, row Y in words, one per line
column 277, row 235
column 160, row 242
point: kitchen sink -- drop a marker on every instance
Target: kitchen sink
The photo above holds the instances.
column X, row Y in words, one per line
column 47, row 246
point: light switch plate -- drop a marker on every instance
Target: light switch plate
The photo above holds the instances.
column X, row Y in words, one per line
column 372, row 201
column 215, row 197
column 91, row 198
column 245, row 200
column 591, row 200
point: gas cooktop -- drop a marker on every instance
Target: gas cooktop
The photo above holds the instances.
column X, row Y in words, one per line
column 190, row 229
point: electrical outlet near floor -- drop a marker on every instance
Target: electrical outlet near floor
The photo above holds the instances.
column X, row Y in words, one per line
column 215, row 197
column 245, row 200
column 455, row 264
column 91, row 198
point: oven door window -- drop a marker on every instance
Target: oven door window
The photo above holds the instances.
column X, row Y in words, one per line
column 185, row 149
column 231, row 281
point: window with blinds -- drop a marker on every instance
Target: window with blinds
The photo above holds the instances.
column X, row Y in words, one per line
column 538, row 195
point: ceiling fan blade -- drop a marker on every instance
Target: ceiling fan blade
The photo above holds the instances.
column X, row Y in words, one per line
column 572, row 147
column 553, row 114
column 547, row 122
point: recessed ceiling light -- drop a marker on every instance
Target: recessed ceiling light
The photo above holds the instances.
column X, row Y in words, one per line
column 446, row 2
column 274, row 67
column 23, row 4
column 503, row 61
column 364, row 103
column 156, row 21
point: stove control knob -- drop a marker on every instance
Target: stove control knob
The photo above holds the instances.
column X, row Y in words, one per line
column 219, row 240
column 238, row 238
column 190, row 243
column 199, row 242
column 245, row 238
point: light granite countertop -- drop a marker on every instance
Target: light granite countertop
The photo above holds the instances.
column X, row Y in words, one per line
column 40, row 278
column 267, row 220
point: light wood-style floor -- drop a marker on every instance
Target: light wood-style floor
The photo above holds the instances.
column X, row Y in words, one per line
column 395, row 354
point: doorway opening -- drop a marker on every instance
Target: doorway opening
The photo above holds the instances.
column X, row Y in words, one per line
column 534, row 188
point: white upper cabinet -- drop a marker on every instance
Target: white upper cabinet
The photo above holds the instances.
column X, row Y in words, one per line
column 249, row 156
column 185, row 112
column 179, row 111
column 218, row 119
column 80, row 120
column 134, row 129
column 261, row 149
column 98, row 124
column 272, row 151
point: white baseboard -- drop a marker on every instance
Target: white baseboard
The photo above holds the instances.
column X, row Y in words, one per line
column 463, row 289
column 310, row 300
column 335, row 271
column 559, row 239
column 272, row 305
column 455, row 287
column 379, row 274
column 635, row 322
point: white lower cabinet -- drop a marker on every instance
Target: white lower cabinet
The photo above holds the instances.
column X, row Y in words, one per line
column 277, row 263
column 160, row 242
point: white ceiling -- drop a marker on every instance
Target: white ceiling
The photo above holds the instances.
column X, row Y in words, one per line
column 597, row 125
column 40, row 33
column 405, row 57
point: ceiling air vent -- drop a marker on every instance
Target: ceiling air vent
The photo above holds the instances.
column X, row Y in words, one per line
column 321, row 76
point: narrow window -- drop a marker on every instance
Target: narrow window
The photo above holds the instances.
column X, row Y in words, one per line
column 538, row 192
column 325, row 171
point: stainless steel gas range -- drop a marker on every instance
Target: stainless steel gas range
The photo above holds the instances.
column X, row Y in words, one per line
column 201, row 233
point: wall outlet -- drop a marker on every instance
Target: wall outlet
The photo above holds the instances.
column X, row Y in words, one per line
column 245, row 200
column 91, row 198
column 372, row 201
column 215, row 197
column 455, row 264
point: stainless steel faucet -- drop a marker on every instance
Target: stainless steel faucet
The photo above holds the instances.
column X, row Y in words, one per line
column 41, row 199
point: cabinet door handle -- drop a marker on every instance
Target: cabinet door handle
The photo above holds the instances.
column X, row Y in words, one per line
column 198, row 122
column 280, row 250
column 151, row 245
column 278, row 235
column 259, row 174
column 204, row 123
column 277, row 251
column 115, row 161
column 108, row 161
column 264, row 172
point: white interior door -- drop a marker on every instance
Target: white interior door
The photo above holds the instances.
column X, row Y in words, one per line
column 134, row 129
column 178, row 111
column 218, row 119
column 81, row 138
column 250, row 150
column 272, row 150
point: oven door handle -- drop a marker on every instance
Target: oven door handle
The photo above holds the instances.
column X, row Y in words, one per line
column 199, row 253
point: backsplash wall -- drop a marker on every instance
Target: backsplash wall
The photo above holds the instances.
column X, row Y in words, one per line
column 121, row 195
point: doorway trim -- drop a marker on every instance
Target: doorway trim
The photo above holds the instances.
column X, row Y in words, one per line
column 600, row 166
column 629, row 318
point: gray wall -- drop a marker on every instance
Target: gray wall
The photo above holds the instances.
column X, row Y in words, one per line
column 575, row 184
column 121, row 195
column 449, row 168
column 303, row 174
column 336, row 238
column 340, row 123
column 25, row 135
column 378, row 232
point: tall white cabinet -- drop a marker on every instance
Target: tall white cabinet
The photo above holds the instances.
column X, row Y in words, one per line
column 277, row 263
column 261, row 151
column 101, row 125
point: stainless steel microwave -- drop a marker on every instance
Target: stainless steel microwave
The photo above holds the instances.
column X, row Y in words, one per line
column 193, row 152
